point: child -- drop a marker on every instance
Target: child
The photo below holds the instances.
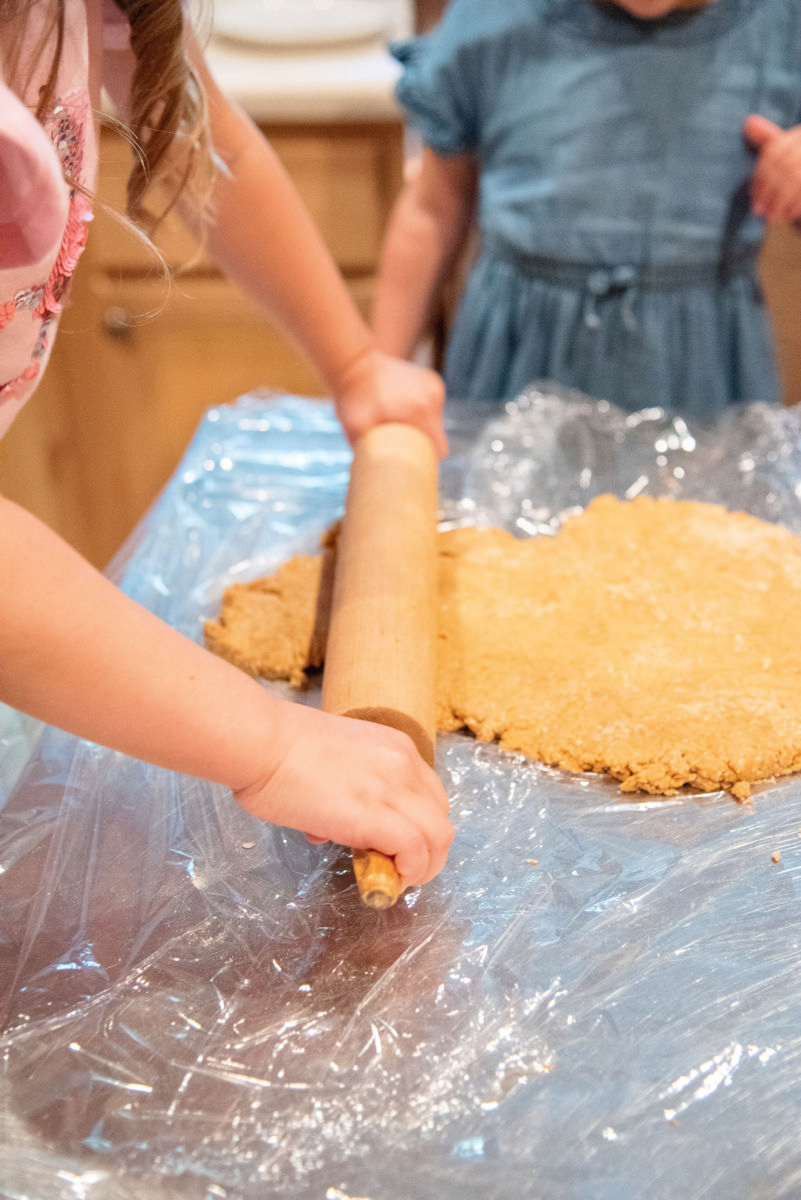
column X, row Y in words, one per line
column 620, row 161
column 74, row 650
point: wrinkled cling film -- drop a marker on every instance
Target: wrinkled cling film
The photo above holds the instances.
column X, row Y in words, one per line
column 599, row 997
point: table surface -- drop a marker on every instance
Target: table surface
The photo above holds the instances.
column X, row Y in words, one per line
column 599, row 997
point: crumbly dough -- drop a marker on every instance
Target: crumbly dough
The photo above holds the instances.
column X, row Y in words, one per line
column 267, row 627
column 658, row 641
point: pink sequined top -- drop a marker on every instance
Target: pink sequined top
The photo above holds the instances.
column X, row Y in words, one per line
column 45, row 172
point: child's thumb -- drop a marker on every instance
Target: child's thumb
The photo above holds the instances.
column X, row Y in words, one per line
column 759, row 130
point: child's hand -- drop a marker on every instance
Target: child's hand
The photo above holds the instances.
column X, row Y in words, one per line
column 358, row 784
column 776, row 186
column 376, row 388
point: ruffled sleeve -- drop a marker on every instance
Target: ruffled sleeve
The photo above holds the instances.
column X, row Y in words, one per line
column 33, row 194
column 440, row 86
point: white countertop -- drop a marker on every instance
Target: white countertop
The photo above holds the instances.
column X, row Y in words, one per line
column 316, row 85
column 348, row 82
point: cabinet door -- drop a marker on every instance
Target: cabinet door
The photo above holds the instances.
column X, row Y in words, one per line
column 349, row 180
column 348, row 176
column 781, row 278
column 207, row 346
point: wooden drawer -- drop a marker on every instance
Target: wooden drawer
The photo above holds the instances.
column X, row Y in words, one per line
column 348, row 179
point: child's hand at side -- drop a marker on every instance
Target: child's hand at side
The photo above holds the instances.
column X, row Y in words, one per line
column 776, row 186
column 358, row 784
column 376, row 388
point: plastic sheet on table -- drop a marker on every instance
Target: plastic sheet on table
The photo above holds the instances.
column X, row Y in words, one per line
column 599, row 997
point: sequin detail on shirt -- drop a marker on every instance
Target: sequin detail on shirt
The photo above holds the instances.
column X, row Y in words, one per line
column 66, row 129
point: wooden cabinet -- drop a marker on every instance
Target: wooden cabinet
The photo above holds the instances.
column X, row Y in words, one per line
column 781, row 279
column 137, row 361
column 428, row 13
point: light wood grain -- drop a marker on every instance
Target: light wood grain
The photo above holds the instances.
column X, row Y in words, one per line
column 381, row 652
column 780, row 268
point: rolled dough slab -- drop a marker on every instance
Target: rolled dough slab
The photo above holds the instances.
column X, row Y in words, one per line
column 657, row 641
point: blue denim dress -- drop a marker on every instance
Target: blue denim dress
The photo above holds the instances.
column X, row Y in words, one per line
column 618, row 253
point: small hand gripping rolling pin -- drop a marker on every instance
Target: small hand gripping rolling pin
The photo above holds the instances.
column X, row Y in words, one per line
column 380, row 657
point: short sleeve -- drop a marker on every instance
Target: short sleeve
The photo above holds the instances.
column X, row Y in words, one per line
column 33, row 194
column 440, row 88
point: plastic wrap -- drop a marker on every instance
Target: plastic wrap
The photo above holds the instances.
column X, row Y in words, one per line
column 599, row 997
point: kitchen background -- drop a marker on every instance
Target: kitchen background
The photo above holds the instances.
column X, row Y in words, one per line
column 137, row 362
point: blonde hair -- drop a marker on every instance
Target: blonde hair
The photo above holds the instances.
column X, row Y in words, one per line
column 166, row 125
column 167, row 114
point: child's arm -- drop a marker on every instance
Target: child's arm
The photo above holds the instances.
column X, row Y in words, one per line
column 264, row 239
column 428, row 228
column 776, row 186
column 77, row 653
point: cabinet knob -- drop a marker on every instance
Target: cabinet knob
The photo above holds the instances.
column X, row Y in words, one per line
column 117, row 323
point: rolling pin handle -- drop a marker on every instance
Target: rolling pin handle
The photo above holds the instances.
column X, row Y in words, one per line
column 378, row 881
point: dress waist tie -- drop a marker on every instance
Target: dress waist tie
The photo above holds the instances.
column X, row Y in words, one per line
column 597, row 280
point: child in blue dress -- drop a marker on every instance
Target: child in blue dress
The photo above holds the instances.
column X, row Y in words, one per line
column 620, row 161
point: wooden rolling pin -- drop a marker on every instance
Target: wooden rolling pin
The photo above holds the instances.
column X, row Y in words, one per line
column 381, row 650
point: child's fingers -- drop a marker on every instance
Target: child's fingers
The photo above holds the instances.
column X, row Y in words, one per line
column 406, row 819
column 759, row 131
column 432, row 426
column 379, row 387
column 776, row 185
column 413, row 833
column 417, row 838
column 778, row 197
column 358, row 784
column 417, row 858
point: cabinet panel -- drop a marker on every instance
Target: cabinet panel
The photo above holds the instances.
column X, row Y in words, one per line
column 347, row 175
column 348, row 182
column 781, row 278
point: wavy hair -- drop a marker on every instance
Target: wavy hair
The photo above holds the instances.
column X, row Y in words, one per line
column 167, row 114
column 166, row 126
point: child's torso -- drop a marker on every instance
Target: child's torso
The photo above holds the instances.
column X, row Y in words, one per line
column 604, row 139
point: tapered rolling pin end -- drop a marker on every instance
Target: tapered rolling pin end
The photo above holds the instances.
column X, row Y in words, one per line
column 378, row 881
